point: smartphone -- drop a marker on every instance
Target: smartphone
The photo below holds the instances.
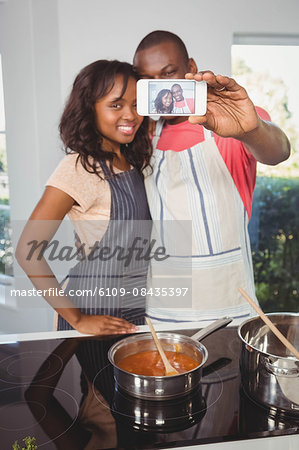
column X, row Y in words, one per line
column 171, row 97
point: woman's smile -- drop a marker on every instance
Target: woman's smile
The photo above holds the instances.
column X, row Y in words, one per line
column 127, row 130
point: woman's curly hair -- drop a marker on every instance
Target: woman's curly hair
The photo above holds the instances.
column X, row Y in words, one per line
column 78, row 128
column 159, row 104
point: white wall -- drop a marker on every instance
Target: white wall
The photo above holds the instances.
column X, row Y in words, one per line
column 44, row 43
column 30, row 56
column 93, row 29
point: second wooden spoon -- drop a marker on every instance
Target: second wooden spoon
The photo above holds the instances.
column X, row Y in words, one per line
column 169, row 370
column 271, row 325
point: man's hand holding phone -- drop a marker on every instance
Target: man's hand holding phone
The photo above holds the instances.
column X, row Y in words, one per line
column 230, row 112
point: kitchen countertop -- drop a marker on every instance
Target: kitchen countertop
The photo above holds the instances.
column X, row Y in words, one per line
column 45, row 335
column 287, row 442
column 277, row 443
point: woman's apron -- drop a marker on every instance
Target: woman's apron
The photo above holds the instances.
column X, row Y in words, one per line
column 129, row 218
column 195, row 187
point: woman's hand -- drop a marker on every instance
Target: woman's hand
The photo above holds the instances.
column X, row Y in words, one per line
column 230, row 112
column 103, row 325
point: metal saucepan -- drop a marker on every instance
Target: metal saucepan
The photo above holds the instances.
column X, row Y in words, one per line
column 270, row 373
column 162, row 387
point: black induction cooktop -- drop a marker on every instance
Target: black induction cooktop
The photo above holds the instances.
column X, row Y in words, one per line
column 62, row 392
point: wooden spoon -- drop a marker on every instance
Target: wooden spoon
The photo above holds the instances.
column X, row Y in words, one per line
column 270, row 324
column 169, row 370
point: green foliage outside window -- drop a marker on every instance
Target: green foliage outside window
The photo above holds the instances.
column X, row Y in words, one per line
column 276, row 246
column 274, row 226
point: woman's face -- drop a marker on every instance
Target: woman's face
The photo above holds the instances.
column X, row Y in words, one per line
column 117, row 119
column 167, row 100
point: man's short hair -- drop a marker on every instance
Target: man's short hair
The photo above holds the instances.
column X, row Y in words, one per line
column 160, row 36
column 176, row 84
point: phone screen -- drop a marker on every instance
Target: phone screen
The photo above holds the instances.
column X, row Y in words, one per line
column 170, row 97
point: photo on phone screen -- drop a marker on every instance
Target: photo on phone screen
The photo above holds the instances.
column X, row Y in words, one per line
column 171, row 97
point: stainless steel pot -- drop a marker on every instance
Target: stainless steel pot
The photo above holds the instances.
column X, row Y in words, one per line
column 162, row 387
column 270, row 373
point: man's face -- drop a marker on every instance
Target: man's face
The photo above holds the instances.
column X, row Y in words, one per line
column 177, row 93
column 162, row 61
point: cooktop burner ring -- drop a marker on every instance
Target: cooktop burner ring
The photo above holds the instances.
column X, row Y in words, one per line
column 180, row 398
column 11, row 373
column 8, row 363
column 17, row 404
column 74, row 418
column 40, row 419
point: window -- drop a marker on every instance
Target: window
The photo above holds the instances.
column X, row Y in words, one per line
column 269, row 70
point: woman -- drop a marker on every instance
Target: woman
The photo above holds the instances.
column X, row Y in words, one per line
column 100, row 186
column 164, row 102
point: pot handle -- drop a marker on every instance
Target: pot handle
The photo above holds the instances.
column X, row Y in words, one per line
column 220, row 323
column 281, row 371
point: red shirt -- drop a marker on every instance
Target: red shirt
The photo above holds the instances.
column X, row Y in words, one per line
column 239, row 161
column 182, row 103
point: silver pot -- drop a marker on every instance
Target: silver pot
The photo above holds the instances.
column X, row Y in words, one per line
column 162, row 387
column 157, row 387
column 270, row 373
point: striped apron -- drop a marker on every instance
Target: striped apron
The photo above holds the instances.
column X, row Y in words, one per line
column 129, row 218
column 183, row 109
column 195, row 185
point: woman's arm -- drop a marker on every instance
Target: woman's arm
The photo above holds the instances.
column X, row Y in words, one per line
column 42, row 226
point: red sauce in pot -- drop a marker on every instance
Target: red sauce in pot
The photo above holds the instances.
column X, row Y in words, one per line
column 150, row 363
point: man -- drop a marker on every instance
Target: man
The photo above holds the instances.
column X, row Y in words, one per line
column 182, row 105
column 203, row 171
